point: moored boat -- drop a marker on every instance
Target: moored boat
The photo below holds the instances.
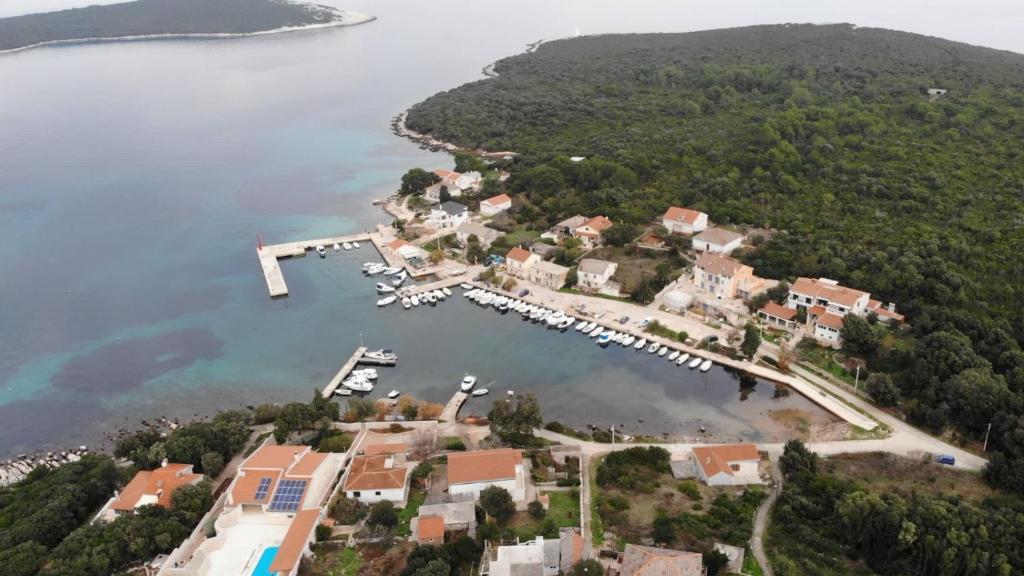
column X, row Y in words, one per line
column 682, row 359
column 581, row 325
column 695, row 362
column 629, row 341
column 446, row 291
column 481, row 392
column 640, row 344
column 565, row 323
column 406, row 303
column 394, row 394
column 383, row 288
column 589, row 327
column 391, row 270
column 706, row 365
column 468, row 381
column 653, row 348
column 355, row 245
column 337, row 247
column 466, row 286
column 387, row 300
column 321, row 251
column 343, row 392
column 605, row 338
column 347, row 246
column 673, row 355
column 662, row 351
column 415, row 300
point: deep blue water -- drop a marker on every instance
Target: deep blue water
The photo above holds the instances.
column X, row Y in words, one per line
column 134, row 178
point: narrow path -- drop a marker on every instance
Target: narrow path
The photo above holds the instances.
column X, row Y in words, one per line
column 761, row 521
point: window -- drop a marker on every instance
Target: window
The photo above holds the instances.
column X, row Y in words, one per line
column 356, row 494
column 377, row 493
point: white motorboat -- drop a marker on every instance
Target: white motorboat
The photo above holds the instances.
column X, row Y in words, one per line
column 406, row 303
column 706, row 365
column 662, row 351
column 347, row 246
column 399, row 278
column 503, row 307
column 481, row 392
column 431, row 299
column 382, row 355
column 695, row 362
column 374, row 270
column 485, row 299
column 672, row 357
column 596, row 331
column 466, row 286
column 682, row 359
column 342, row 392
column 499, row 300
column 640, row 344
column 468, row 381
column 415, row 300
column 446, row 291
column 383, row 288
column 605, row 338
column 589, row 327
column 619, row 337
column 555, row 318
column 358, row 384
column 581, row 325
column 394, row 394
column 653, row 348
column 566, row 322
column 387, row 300
column 438, row 294
column 367, row 373
column 321, row 251
column 391, row 271
column 511, row 392
column 355, row 245
column 544, row 315
column 337, row 247
column 629, row 341
column 368, row 265
column 471, row 293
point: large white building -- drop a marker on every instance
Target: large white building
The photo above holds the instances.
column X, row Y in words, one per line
column 471, row 472
column 448, row 215
column 717, row 240
column 684, row 220
column 827, row 302
column 727, row 464
column 593, row 274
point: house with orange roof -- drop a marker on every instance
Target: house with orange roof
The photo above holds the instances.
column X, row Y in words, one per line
column 538, row 557
column 471, row 472
column 397, row 450
column 518, row 262
column 495, row 205
column 150, row 488
column 778, row 315
column 678, row 220
column 650, row 561
column 405, row 250
column 727, row 464
column 373, row 478
column 827, row 303
column 590, row 232
column 725, row 277
column 430, row 530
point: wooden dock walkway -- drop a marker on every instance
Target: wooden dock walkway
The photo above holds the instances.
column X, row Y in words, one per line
column 451, row 409
column 346, row 369
column 443, row 283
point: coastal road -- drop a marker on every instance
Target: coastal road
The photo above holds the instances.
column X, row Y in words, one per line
column 761, row 522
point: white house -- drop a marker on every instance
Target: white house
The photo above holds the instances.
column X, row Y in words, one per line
column 471, row 472
column 448, row 215
column 495, row 205
column 518, row 262
column 684, row 220
column 548, row 274
column 728, row 464
column 591, row 230
column 717, row 240
column 485, row 235
column 458, row 183
column 593, row 274
column 827, row 302
column 375, row 478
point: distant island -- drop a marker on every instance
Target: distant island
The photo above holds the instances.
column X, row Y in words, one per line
column 170, row 18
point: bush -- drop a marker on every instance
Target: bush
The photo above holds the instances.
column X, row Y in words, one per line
column 498, row 503
column 635, row 468
column 348, row 511
column 322, row 532
column 335, row 442
column 537, row 510
column 689, row 487
column 383, row 514
column 454, row 444
column 265, row 413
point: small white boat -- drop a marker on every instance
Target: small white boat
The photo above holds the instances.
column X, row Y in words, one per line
column 374, row 270
column 347, row 246
column 358, row 384
column 653, row 348
column 682, row 359
column 695, row 362
column 581, row 325
column 342, row 392
column 415, row 300
column 431, row 299
column 481, row 392
column 468, row 381
column 605, row 338
column 466, row 286
column 485, row 299
column 355, row 245
column 566, row 322
column 394, row 394
column 399, row 278
column 620, row 337
column 367, row 373
column 595, row 331
column 511, row 392
column 629, row 341
column 439, row 294
column 589, row 327
column 391, row 271
column 382, row 355
column 383, row 288
column 368, row 265
column 406, row 303
column 321, row 251
column 337, row 247
column 672, row 357
column 706, row 365
column 554, row 319
column 446, row 291
column 387, row 300
column 640, row 344
column 662, row 351
column 471, row 293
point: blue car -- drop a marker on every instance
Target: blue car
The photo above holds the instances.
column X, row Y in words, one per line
column 946, row 459
column 523, row 292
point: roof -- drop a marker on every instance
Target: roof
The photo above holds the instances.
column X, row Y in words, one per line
column 778, row 311
column 497, row 200
column 883, row 312
column 719, row 265
column 594, row 266
column 388, row 448
column 431, row 527
column 830, row 320
column 374, row 473
column 518, row 254
column 483, row 465
column 272, row 456
column 597, row 224
column 650, row 561
column 718, row 236
column 295, row 540
column 572, row 222
column 716, row 459
column 541, row 249
column 480, row 231
column 245, row 486
column 452, row 512
column 160, row 483
column 453, row 208
column 449, row 175
column 681, row 214
column 826, row 289
column 651, row 238
column 551, row 268
column 398, row 243
column 308, row 464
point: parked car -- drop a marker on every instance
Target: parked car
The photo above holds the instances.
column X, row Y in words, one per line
column 523, row 292
column 624, row 320
column 646, row 321
column 946, row 459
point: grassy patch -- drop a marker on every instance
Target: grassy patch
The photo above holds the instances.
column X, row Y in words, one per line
column 564, row 508
column 596, row 523
column 750, row 565
column 883, row 473
column 521, row 237
column 453, row 443
column 416, row 498
column 336, row 442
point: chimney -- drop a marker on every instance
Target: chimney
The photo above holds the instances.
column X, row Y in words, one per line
column 892, row 306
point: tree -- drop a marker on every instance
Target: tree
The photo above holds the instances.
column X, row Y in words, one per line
column 422, row 557
column 383, row 514
column 359, row 409
column 715, row 561
column 537, row 510
column 213, row 463
column 513, row 419
column 882, row 389
column 444, row 195
column 417, row 180
column 797, row 458
column 664, row 530
column 751, row 341
column 192, row 500
column 620, row 234
column 858, row 335
column 509, row 284
column 408, row 408
column 498, row 503
column 467, row 162
column 184, row 449
column 474, row 251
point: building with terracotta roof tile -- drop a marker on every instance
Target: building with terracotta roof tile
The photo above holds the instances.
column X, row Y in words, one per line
column 378, row 477
column 518, row 262
column 650, row 561
column 471, row 472
column 495, row 205
column 725, row 277
column 717, row 240
column 727, row 464
column 430, row 530
column 778, row 315
column 827, row 303
column 151, row 488
column 590, row 232
column 679, row 220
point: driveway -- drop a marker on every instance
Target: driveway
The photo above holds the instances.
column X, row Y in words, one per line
column 761, row 522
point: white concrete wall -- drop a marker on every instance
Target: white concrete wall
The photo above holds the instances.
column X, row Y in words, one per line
column 515, row 489
column 396, row 495
column 705, row 246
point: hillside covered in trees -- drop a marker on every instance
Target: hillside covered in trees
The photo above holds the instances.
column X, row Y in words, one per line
column 152, row 17
column 827, row 135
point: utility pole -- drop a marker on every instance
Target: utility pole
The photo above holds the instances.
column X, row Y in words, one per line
column 856, row 383
column 984, row 447
column 613, row 434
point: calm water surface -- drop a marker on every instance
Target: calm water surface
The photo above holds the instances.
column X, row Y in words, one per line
column 134, row 178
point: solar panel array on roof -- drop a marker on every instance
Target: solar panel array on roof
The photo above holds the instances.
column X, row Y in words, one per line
column 288, row 495
column 261, row 490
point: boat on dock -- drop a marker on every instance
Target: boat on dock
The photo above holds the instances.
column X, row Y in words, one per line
column 640, row 344
column 321, row 251
column 695, row 362
column 406, row 303
column 347, row 246
column 468, row 381
column 672, row 357
column 387, row 300
column 682, row 359
column 653, row 348
column 383, row 288
column 394, row 394
column 706, row 365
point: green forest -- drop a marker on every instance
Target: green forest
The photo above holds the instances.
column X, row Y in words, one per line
column 827, row 136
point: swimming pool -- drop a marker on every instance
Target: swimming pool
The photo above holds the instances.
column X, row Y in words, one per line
column 266, row 559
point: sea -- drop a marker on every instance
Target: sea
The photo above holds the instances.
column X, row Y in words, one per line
column 136, row 177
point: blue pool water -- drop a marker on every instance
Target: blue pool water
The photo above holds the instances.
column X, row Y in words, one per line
column 266, row 559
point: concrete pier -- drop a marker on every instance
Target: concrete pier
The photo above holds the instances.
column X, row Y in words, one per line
column 451, row 409
column 443, row 283
column 345, row 370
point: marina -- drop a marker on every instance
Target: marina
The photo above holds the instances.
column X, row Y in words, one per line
column 343, row 373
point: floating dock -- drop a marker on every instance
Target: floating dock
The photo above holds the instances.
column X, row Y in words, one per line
column 346, row 369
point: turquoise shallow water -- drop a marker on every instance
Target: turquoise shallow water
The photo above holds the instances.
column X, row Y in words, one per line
column 134, row 178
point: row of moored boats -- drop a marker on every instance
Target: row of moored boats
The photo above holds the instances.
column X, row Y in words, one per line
column 346, row 246
column 393, row 279
column 557, row 319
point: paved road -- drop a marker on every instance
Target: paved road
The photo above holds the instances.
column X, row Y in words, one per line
column 761, row 522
